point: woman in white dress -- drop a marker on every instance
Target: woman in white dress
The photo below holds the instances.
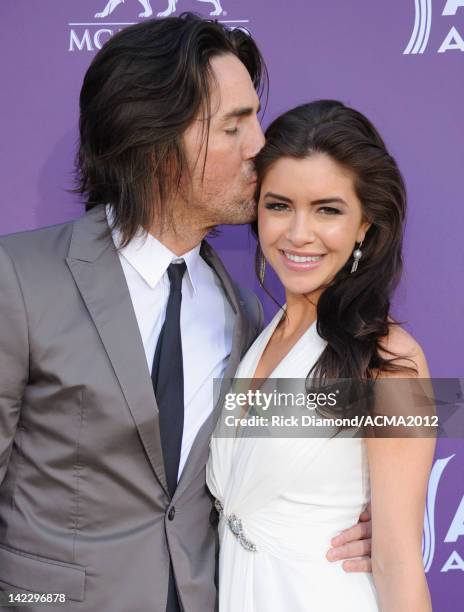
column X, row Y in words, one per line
column 331, row 206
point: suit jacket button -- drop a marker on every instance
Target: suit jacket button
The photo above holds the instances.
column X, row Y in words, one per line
column 171, row 513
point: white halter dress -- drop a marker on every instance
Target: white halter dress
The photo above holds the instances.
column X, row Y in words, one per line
column 285, row 498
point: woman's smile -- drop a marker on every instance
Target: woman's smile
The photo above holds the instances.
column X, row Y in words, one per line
column 301, row 261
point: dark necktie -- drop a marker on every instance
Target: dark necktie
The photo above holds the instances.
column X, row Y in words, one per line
column 168, row 383
column 168, row 379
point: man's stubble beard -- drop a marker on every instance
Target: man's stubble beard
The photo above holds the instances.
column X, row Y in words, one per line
column 238, row 208
column 205, row 210
column 239, row 212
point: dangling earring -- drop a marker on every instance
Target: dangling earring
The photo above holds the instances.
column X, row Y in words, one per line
column 262, row 268
column 357, row 254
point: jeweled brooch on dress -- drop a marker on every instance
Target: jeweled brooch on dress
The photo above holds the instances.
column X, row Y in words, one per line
column 236, row 527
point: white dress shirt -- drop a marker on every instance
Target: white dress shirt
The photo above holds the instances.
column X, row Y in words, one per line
column 206, row 320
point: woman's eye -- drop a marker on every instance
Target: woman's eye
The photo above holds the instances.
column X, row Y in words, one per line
column 231, row 131
column 276, row 206
column 329, row 210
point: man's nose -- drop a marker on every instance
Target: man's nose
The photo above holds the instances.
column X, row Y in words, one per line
column 257, row 140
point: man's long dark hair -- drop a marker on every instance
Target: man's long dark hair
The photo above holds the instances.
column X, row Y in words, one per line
column 353, row 310
column 140, row 93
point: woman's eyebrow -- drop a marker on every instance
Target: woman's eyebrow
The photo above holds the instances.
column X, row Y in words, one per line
column 270, row 194
column 330, row 200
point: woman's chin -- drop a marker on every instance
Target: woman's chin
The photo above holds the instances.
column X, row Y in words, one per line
column 296, row 288
column 305, row 286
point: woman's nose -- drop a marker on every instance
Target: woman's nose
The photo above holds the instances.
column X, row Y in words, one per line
column 300, row 231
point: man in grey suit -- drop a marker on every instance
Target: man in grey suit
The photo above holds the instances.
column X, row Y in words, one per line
column 103, row 503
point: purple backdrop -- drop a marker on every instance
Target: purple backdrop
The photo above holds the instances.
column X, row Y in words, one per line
column 400, row 63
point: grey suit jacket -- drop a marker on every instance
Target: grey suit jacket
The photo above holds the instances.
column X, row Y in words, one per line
column 84, row 505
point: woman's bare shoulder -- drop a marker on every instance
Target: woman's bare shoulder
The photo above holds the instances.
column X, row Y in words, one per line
column 401, row 344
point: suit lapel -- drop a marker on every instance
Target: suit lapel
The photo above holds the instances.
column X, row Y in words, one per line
column 98, row 274
column 241, row 325
column 199, row 453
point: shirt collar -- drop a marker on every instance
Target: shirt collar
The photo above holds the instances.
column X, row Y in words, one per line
column 150, row 258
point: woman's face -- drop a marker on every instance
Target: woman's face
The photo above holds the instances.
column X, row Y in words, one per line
column 309, row 220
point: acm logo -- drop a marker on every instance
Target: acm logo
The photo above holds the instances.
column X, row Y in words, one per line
column 423, row 25
column 92, row 36
column 148, row 11
column 455, row 529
